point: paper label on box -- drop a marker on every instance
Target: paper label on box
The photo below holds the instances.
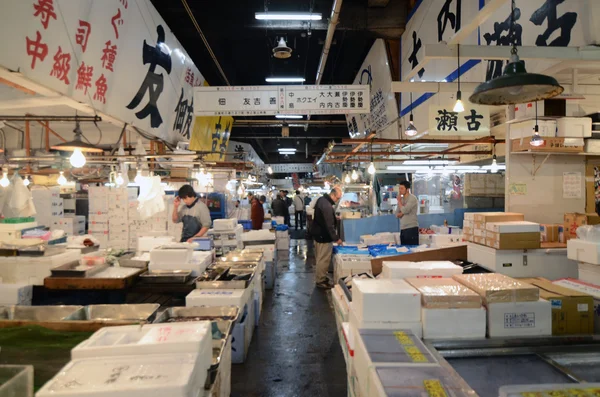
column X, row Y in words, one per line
column 582, row 307
column 557, row 303
column 519, row 320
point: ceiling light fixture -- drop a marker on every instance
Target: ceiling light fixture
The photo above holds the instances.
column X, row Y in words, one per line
column 285, row 79
column 4, row 182
column 411, row 130
column 119, row 179
column 77, row 146
column 458, row 106
column 494, row 167
column 346, row 179
column 287, row 16
column 516, row 85
column 61, row 179
column 429, row 162
column 288, row 116
column 270, row 170
column 536, row 139
column 287, row 150
column 354, row 174
column 371, row 170
column 26, row 181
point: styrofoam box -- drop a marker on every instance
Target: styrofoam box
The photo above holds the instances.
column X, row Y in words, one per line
column 454, row 323
column 574, row 127
column 386, row 300
column 358, row 323
column 440, row 240
column 446, row 229
column 524, row 129
column 436, row 269
column 242, row 335
column 132, row 340
column 283, row 245
column 11, row 227
column 33, row 270
column 198, row 263
column 16, row 294
column 259, row 235
column 589, row 273
column 584, row 251
column 566, row 389
column 156, row 375
column 165, row 256
column 225, row 224
column 278, row 220
column 520, row 319
column 219, row 297
column 586, row 288
column 146, row 244
column 513, row 227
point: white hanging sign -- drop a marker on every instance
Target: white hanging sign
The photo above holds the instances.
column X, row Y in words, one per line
column 282, row 99
column 474, row 121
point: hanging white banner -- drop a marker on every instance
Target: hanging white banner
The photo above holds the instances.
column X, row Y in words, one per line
column 282, row 99
column 474, row 121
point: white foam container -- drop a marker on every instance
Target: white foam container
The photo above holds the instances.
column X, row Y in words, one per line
column 157, row 375
column 219, row 297
column 513, row 227
column 225, row 224
column 33, row 270
column 435, row 269
column 16, row 294
column 589, row 273
column 358, row 323
column 386, row 300
column 454, row 323
column 513, row 319
column 165, row 256
column 259, row 235
column 584, row 251
column 148, row 243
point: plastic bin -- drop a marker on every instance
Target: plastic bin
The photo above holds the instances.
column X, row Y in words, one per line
column 246, row 224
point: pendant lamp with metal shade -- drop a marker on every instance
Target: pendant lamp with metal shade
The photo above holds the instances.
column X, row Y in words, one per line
column 411, row 130
column 458, row 106
column 516, row 85
column 78, row 147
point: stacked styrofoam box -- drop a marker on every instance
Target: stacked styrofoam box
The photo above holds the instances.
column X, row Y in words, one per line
column 98, row 214
column 228, row 238
column 198, row 262
column 118, row 218
column 441, row 240
column 587, row 253
column 426, row 269
column 574, row 127
column 9, row 231
column 345, row 265
column 48, row 205
column 282, row 240
column 385, row 304
column 446, row 229
column 524, row 129
column 16, row 294
column 33, row 270
column 72, row 225
column 379, row 238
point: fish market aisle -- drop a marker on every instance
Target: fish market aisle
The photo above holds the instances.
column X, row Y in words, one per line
column 295, row 350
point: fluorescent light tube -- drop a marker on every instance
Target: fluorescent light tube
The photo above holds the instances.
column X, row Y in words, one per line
column 285, row 79
column 287, row 16
column 428, row 162
column 288, row 116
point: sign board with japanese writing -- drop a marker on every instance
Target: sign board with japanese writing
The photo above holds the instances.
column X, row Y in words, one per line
column 211, row 134
column 118, row 56
column 241, row 151
column 474, row 121
column 282, row 99
column 375, row 71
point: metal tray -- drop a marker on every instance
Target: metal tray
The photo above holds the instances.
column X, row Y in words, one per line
column 166, row 276
column 143, row 312
column 237, row 265
column 239, row 257
column 75, row 269
column 127, row 261
column 232, row 284
column 222, row 313
column 38, row 313
column 213, row 370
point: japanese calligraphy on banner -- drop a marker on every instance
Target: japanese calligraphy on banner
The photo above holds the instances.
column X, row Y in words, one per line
column 211, row 134
column 240, row 151
column 271, row 100
column 375, row 72
column 117, row 56
column 474, row 121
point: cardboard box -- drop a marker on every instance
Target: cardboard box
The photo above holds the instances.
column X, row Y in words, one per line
column 445, row 293
column 524, row 129
column 589, row 273
column 559, row 145
column 494, row 288
column 574, row 127
column 573, row 220
column 549, row 233
column 585, row 288
column 512, row 227
column 512, row 319
column 511, row 241
column 572, row 311
column 486, row 217
column 479, row 240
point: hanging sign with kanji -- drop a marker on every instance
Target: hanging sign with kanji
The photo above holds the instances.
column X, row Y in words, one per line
column 474, row 121
column 282, row 99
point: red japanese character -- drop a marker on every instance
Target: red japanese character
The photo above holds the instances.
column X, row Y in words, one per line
column 45, row 8
column 62, row 65
column 117, row 20
column 36, row 49
column 109, row 54
column 124, row 2
column 101, row 89
column 83, row 34
column 84, row 77
column 189, row 76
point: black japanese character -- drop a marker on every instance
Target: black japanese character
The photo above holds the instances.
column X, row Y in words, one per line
column 184, row 116
column 223, row 146
column 494, row 68
column 337, row 94
column 413, row 56
column 256, row 101
column 322, row 95
column 291, row 105
column 216, row 135
column 447, row 120
column 352, row 93
column 272, row 101
column 446, row 16
column 153, row 82
column 472, row 121
column 330, row 105
column 239, row 152
column 565, row 23
column 354, row 125
column 330, row 94
column 322, row 105
column 222, row 101
column 291, row 94
column 247, row 101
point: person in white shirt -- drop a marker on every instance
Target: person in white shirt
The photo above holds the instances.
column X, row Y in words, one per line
column 299, row 210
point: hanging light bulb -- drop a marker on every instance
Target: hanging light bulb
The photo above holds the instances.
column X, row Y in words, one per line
column 139, row 178
column 77, row 159
column 26, row 181
column 536, row 139
column 411, row 130
column 240, row 190
column 371, row 170
column 270, row 170
column 458, row 106
column 61, row 179
column 347, row 179
column 494, row 167
column 354, row 175
column 4, row 182
column 119, row 179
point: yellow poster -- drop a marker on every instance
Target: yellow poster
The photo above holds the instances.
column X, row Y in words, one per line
column 211, row 134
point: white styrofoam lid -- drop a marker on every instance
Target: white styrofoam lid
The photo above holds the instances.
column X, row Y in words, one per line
column 425, row 265
column 216, row 293
column 372, row 286
column 133, row 376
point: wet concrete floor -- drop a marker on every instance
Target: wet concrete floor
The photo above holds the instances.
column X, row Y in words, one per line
column 295, row 350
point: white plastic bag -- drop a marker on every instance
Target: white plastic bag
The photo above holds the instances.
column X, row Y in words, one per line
column 151, row 198
column 21, row 201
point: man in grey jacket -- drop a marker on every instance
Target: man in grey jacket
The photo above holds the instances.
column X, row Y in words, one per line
column 324, row 233
column 408, row 206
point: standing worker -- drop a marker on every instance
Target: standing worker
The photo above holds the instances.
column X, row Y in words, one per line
column 288, row 202
column 278, row 205
column 408, row 206
column 192, row 212
column 299, row 210
column 257, row 213
column 324, row 233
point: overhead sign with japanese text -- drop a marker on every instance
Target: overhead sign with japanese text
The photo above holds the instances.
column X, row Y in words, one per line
column 375, row 71
column 241, row 151
column 118, row 56
column 211, row 134
column 474, row 121
column 282, row 99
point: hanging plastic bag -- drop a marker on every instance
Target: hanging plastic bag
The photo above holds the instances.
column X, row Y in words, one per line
column 151, row 199
column 21, row 200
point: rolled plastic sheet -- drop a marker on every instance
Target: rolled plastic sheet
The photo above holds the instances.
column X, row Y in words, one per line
column 445, row 293
column 498, row 288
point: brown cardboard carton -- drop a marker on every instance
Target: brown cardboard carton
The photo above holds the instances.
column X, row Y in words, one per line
column 551, row 144
column 549, row 233
column 513, row 241
column 479, row 240
column 573, row 220
column 445, row 293
column 498, row 288
column 572, row 311
column 486, row 217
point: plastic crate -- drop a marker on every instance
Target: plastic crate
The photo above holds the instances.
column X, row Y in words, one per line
column 18, row 220
column 246, row 224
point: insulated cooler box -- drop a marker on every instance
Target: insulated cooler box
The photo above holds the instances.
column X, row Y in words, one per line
column 435, row 269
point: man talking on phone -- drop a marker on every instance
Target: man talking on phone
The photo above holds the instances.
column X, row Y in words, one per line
column 192, row 212
column 408, row 205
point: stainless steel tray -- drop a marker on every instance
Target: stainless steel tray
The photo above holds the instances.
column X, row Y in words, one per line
column 166, row 276
column 127, row 261
column 75, row 269
column 144, row 312
column 239, row 257
column 221, row 313
column 227, row 284
column 213, row 370
column 38, row 313
column 236, row 265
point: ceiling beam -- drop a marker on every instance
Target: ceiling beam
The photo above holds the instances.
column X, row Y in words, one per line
column 369, row 139
column 487, row 139
column 476, row 22
column 421, row 153
column 36, row 102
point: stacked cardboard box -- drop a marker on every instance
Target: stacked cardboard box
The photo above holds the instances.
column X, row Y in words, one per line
column 552, row 233
column 98, row 214
column 478, row 229
column 512, row 235
column 586, row 288
column 72, row 225
column 587, row 254
column 450, row 310
column 514, row 307
column 572, row 221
